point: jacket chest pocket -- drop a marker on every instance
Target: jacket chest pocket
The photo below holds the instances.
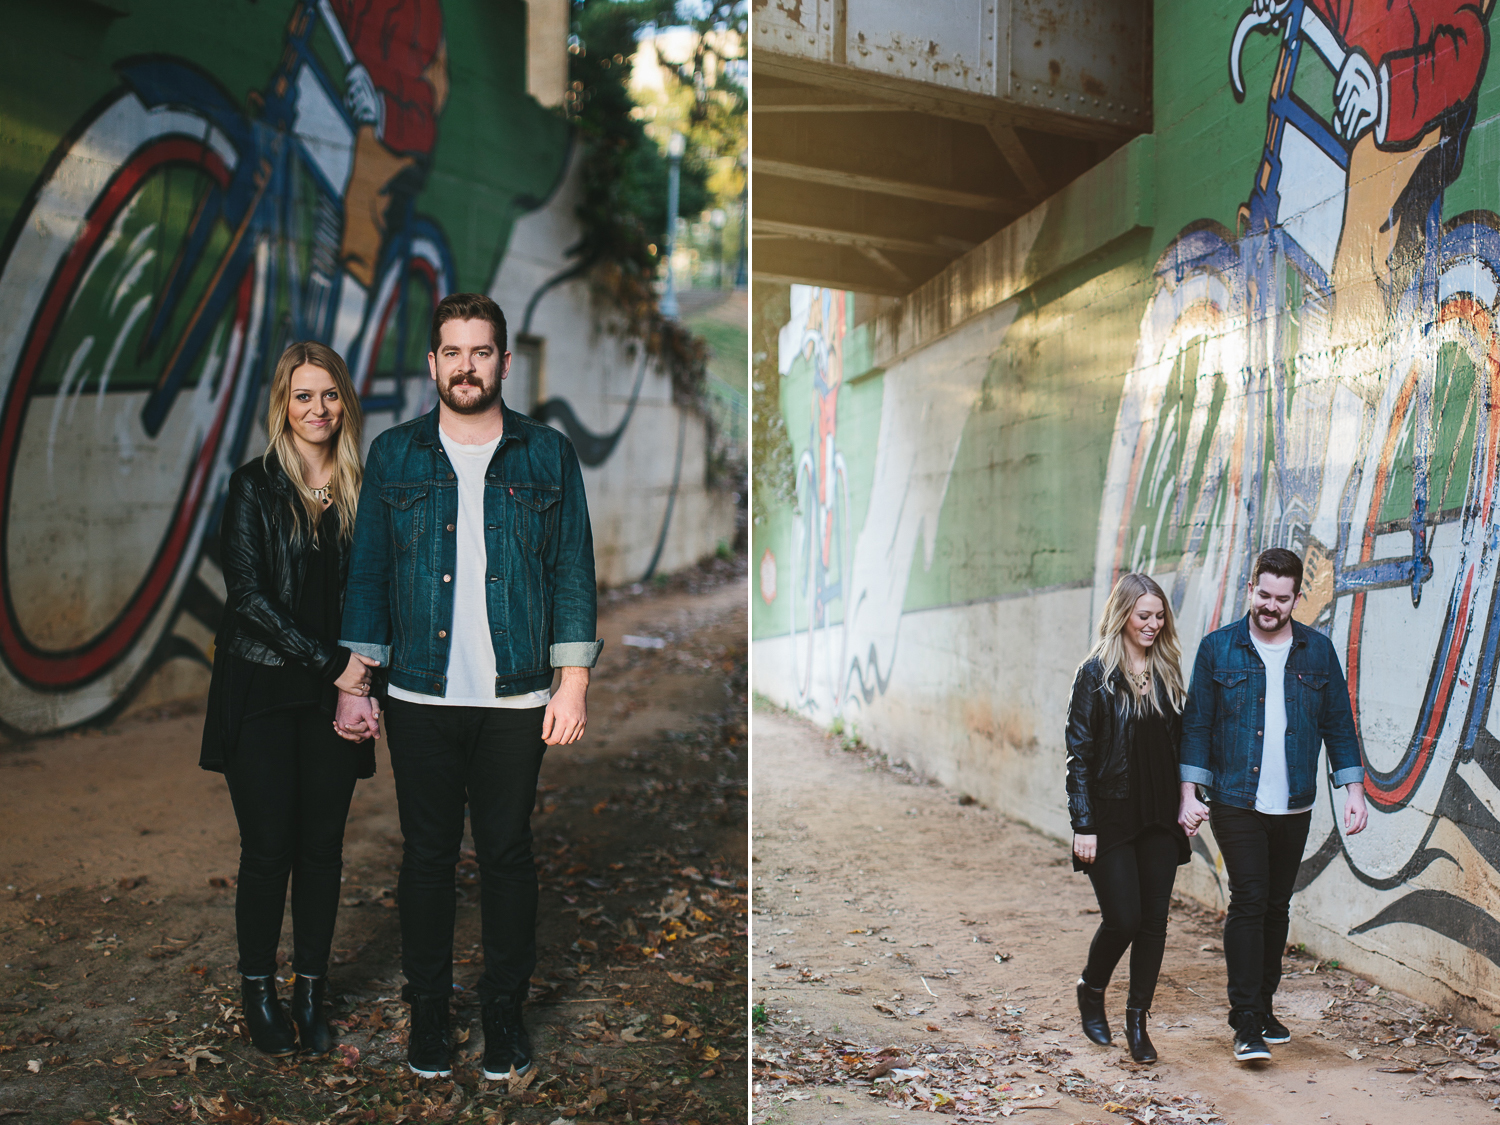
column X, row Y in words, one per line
column 1233, row 689
column 1312, row 689
column 536, row 509
column 406, row 510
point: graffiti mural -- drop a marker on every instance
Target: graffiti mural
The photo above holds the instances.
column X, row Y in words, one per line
column 1297, row 346
column 1327, row 378
column 177, row 239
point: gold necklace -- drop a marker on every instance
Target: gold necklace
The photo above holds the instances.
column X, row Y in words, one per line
column 324, row 494
column 1140, row 680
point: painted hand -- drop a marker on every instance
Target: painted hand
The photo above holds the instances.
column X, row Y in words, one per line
column 356, row 717
column 567, row 714
column 1085, row 847
column 361, row 96
column 1357, row 95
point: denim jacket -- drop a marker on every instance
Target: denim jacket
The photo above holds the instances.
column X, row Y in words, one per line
column 398, row 605
column 1226, row 712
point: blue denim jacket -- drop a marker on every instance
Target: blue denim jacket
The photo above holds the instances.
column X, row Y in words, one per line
column 398, row 605
column 1226, row 712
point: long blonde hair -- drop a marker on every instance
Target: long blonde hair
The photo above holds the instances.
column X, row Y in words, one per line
column 348, row 470
column 1163, row 658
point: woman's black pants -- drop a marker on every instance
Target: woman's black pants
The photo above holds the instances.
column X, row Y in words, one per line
column 291, row 779
column 1133, row 883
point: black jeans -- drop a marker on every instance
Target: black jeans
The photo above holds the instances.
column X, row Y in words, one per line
column 489, row 757
column 290, row 778
column 1261, row 856
column 1133, row 883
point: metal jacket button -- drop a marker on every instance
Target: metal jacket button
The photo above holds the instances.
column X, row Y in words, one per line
column 447, row 578
column 442, row 632
column 494, row 579
column 450, row 527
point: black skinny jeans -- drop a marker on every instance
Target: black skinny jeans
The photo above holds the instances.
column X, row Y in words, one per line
column 489, row 758
column 1133, row 883
column 1261, row 856
column 291, row 779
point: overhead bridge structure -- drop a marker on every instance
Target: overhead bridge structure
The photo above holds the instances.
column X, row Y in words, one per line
column 892, row 136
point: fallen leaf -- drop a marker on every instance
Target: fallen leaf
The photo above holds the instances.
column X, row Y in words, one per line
column 34, row 1065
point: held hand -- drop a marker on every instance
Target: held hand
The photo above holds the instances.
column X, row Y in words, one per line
column 1085, row 847
column 567, row 715
column 356, row 717
column 355, row 679
column 1356, row 812
column 1191, row 812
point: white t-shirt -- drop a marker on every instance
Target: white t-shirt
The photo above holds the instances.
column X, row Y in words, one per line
column 1273, row 792
column 471, row 652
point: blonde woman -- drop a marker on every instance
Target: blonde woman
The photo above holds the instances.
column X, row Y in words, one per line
column 284, row 547
column 1124, row 728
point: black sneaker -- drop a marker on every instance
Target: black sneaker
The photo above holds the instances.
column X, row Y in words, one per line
column 1272, row 1030
column 429, row 1045
column 1250, row 1046
column 507, row 1047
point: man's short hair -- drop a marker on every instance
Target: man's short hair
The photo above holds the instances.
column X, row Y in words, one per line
column 467, row 306
column 1280, row 562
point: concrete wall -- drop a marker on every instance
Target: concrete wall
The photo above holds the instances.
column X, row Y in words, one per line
column 1142, row 374
column 160, row 252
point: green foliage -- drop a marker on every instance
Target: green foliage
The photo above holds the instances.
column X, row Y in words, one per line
column 758, row 1015
column 623, row 205
column 775, row 484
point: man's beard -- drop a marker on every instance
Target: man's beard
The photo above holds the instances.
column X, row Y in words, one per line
column 1278, row 619
column 477, row 405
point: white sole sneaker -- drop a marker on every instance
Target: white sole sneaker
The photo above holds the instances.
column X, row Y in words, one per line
column 429, row 1073
column 492, row 1076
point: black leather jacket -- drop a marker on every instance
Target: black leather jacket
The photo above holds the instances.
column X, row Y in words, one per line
column 264, row 559
column 1101, row 726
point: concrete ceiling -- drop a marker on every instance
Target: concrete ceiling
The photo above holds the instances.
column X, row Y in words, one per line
column 874, row 175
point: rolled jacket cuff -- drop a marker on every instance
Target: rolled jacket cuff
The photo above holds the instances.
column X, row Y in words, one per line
column 1348, row 775
column 1195, row 774
column 382, row 653
column 575, row 654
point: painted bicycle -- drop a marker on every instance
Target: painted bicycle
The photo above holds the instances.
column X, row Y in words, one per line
column 173, row 244
column 822, row 551
column 1245, row 424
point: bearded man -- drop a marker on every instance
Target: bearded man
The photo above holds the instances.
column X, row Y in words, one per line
column 1267, row 692
column 471, row 580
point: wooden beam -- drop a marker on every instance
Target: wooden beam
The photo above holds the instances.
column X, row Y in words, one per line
column 1020, row 161
column 879, row 289
column 886, row 266
column 775, row 228
column 830, row 107
column 858, row 181
column 858, row 84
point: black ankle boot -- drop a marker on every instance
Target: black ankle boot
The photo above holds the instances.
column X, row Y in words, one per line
column 1091, row 1008
column 1136, row 1038
column 270, row 1030
column 313, row 1032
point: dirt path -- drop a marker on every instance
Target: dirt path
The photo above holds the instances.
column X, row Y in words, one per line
column 897, row 930
column 118, row 996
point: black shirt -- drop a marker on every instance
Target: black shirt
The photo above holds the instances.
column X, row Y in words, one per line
column 1154, row 792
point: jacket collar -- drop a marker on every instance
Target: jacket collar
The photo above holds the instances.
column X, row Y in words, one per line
column 426, row 432
column 276, row 477
column 1242, row 632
